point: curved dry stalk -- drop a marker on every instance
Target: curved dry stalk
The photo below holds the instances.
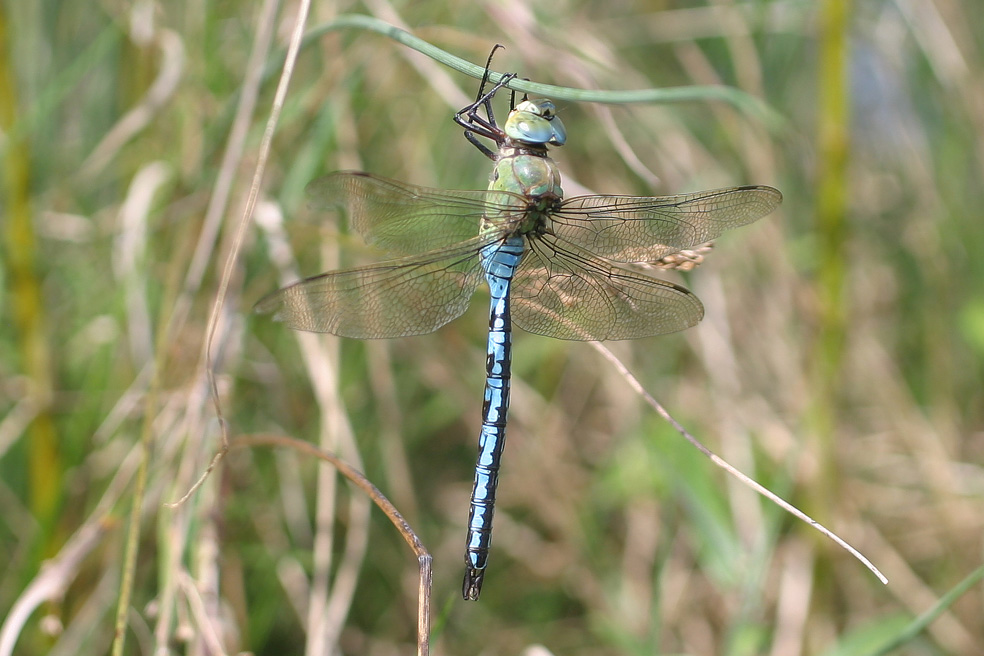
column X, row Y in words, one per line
column 358, row 479
column 723, row 464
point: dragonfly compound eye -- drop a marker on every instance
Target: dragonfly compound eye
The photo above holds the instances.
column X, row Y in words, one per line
column 535, row 122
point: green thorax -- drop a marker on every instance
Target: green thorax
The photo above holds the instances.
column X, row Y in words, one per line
column 530, row 173
column 527, row 172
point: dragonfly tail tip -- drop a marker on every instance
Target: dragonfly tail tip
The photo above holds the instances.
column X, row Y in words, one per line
column 472, row 585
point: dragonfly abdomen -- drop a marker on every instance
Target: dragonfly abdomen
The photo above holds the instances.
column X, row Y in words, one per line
column 499, row 260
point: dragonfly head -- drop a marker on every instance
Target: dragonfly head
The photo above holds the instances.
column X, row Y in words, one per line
column 535, row 122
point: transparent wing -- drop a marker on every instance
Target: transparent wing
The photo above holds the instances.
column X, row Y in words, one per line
column 570, row 294
column 408, row 296
column 645, row 229
column 407, row 219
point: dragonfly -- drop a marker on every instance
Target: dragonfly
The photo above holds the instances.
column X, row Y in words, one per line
column 554, row 266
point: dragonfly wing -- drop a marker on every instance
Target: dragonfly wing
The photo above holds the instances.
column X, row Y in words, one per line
column 408, row 219
column 570, row 294
column 645, row 229
column 408, row 296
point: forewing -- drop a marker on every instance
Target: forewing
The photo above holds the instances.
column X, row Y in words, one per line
column 570, row 294
column 408, row 296
column 406, row 219
column 645, row 229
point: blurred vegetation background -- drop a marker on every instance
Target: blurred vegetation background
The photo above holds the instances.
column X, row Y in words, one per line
column 840, row 361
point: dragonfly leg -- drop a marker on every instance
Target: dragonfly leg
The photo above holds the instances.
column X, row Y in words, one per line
column 477, row 125
column 486, row 100
column 488, row 67
column 469, row 118
column 473, row 140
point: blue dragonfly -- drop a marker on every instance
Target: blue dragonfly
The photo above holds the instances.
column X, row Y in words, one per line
column 555, row 266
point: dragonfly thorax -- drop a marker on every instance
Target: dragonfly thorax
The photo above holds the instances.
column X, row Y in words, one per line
column 526, row 172
column 535, row 177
